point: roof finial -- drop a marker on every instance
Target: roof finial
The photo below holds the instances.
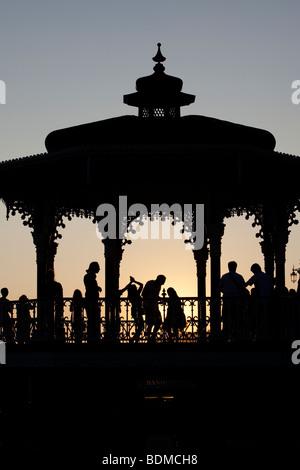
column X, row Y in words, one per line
column 159, row 57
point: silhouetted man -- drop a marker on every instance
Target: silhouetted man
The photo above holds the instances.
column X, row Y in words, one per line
column 150, row 302
column 55, row 306
column 232, row 285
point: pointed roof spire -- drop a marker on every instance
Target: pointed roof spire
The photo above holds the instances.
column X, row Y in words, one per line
column 158, row 57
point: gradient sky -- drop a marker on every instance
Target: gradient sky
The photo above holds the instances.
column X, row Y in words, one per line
column 70, row 62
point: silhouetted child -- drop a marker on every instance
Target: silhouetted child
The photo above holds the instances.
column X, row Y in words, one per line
column 175, row 320
column 77, row 315
column 23, row 319
column 5, row 316
column 137, row 311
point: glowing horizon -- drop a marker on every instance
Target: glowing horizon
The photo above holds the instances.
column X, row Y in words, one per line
column 143, row 259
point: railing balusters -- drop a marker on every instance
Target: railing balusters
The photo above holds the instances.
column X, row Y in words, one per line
column 240, row 319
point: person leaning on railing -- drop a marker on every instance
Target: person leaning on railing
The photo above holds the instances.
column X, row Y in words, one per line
column 262, row 282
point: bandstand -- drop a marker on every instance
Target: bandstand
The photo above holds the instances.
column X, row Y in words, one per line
column 157, row 157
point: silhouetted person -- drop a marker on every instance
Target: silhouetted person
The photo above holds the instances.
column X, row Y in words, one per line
column 23, row 319
column 55, row 307
column 175, row 320
column 264, row 290
column 262, row 282
column 5, row 316
column 233, row 287
column 150, row 302
column 137, row 310
column 92, row 301
column 232, row 284
column 77, row 315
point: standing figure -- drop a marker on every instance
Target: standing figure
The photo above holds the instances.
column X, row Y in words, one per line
column 5, row 317
column 150, row 302
column 233, row 287
column 77, row 315
column 265, row 313
column 23, row 319
column 262, row 282
column 92, row 301
column 175, row 320
column 54, row 307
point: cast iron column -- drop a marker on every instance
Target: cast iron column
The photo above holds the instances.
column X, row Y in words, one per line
column 113, row 255
column 215, row 232
column 280, row 242
column 201, row 257
column 44, row 227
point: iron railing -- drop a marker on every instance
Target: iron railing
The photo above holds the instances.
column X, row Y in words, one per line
column 206, row 319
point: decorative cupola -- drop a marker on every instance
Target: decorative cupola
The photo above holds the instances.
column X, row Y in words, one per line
column 159, row 95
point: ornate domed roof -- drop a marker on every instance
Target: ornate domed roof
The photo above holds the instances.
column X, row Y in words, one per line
column 159, row 94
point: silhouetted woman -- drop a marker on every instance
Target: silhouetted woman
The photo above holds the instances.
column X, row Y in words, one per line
column 77, row 315
column 92, row 301
column 175, row 319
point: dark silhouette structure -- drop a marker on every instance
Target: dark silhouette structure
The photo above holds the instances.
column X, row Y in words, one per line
column 148, row 398
column 159, row 95
column 231, row 156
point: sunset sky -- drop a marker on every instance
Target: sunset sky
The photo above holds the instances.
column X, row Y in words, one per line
column 70, row 62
